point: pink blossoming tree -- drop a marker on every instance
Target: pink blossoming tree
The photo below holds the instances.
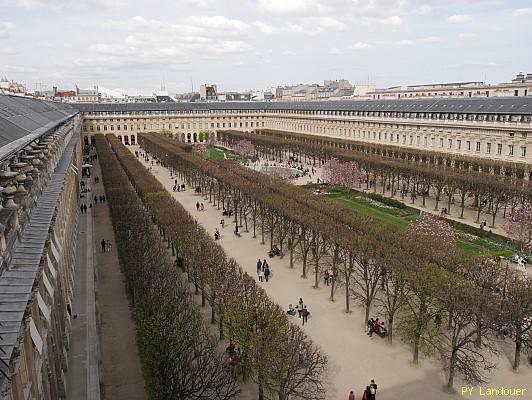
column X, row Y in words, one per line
column 245, row 148
column 347, row 174
column 519, row 225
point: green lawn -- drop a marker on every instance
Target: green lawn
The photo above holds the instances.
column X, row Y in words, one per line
column 216, row 153
column 403, row 217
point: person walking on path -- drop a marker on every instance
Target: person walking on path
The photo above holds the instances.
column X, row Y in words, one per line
column 259, row 265
column 373, row 389
column 95, row 200
column 351, row 395
column 266, row 272
column 197, row 206
column 261, row 275
column 108, row 246
column 300, row 307
column 103, row 243
column 305, row 314
column 366, row 394
column 202, row 207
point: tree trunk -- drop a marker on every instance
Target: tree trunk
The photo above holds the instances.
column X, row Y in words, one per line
column 450, row 381
column 517, row 357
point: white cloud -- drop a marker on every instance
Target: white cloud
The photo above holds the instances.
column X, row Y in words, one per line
column 360, row 46
column 460, row 18
column 334, row 50
column 289, row 7
column 489, row 64
column 7, row 51
column 468, row 35
column 520, row 12
column 5, row 27
column 403, row 43
column 217, row 24
column 430, row 39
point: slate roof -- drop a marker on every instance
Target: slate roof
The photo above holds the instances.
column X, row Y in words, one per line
column 17, row 281
column 23, row 119
column 484, row 105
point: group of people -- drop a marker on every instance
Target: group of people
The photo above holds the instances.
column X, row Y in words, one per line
column 263, row 270
column 376, row 326
column 101, row 198
column 274, row 251
column 301, row 310
column 83, row 208
column 178, row 187
column 106, row 245
column 199, row 206
column 217, row 234
column 369, row 393
column 328, row 277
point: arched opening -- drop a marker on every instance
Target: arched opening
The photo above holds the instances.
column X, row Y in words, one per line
column 183, row 139
column 188, row 138
column 132, row 139
column 195, row 137
column 86, row 141
column 126, row 140
column 120, row 137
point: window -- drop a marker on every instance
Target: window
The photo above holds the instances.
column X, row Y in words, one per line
column 441, row 142
column 478, row 146
column 404, row 138
column 418, row 140
column 499, row 149
column 523, row 151
column 488, row 148
column 468, row 145
column 424, row 141
column 450, row 144
column 510, row 149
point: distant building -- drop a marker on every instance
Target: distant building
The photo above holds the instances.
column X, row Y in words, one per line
column 208, row 93
column 521, row 85
column 330, row 90
column 87, row 95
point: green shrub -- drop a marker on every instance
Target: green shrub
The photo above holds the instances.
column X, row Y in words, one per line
column 386, row 200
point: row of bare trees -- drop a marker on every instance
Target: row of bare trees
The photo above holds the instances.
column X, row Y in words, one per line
column 417, row 180
column 240, row 309
column 411, row 279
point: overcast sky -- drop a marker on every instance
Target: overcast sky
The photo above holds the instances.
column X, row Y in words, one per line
column 255, row 44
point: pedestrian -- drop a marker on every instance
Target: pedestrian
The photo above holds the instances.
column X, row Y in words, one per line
column 108, row 245
column 103, row 243
column 300, row 307
column 222, row 222
column 197, row 206
column 95, row 199
column 259, row 265
column 373, row 389
column 261, row 275
column 202, row 207
column 101, row 199
column 104, row 200
column 183, row 187
column 81, row 208
column 326, row 277
column 305, row 314
column 266, row 272
column 366, row 394
column 351, row 395
column 175, row 182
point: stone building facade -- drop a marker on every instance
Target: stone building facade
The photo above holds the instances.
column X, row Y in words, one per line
column 39, row 177
column 488, row 128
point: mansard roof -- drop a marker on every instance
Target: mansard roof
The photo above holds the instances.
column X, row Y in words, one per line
column 483, row 105
column 23, row 119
